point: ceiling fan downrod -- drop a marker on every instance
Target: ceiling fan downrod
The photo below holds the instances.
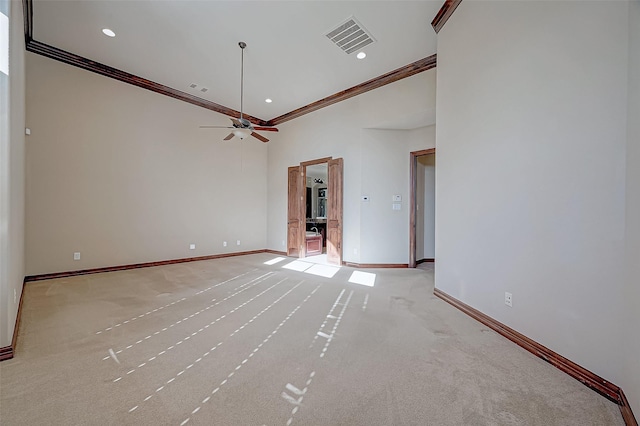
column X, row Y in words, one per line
column 242, row 45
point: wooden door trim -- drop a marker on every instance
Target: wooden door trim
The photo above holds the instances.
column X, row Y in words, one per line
column 314, row 162
column 335, row 211
column 303, row 170
column 413, row 183
column 294, row 208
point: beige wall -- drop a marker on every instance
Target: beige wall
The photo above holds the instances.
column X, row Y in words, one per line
column 426, row 207
column 365, row 131
column 124, row 175
column 12, row 142
column 530, row 183
column 631, row 348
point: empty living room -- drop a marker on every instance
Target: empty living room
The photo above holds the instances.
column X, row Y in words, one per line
column 287, row 213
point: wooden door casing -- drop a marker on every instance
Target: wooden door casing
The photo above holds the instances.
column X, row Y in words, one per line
column 334, row 211
column 295, row 213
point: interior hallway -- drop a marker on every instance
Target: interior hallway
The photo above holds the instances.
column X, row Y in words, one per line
column 237, row 341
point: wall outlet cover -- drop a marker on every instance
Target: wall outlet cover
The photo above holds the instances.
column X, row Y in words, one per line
column 76, row 255
column 192, row 246
column 508, row 299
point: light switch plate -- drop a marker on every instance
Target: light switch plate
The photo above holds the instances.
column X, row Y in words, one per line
column 192, row 246
column 397, row 198
column 365, row 198
column 76, row 255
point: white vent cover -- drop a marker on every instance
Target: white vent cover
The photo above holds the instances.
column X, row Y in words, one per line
column 350, row 36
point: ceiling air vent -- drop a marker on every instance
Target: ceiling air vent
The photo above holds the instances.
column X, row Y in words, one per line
column 350, row 36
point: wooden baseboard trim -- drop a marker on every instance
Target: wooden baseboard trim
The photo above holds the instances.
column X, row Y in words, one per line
column 375, row 265
column 427, row 260
column 136, row 266
column 8, row 352
column 625, row 410
column 586, row 377
column 279, row 253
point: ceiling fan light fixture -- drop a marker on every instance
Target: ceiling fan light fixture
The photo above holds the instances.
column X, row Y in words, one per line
column 242, row 133
column 361, row 55
column 108, row 32
column 268, row 100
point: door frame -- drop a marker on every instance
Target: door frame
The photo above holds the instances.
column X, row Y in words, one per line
column 303, row 178
column 413, row 183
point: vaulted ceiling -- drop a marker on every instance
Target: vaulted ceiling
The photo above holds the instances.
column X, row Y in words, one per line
column 289, row 58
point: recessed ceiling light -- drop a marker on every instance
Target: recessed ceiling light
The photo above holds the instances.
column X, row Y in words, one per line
column 268, row 100
column 108, row 32
column 361, row 55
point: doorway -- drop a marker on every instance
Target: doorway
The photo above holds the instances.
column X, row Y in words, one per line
column 315, row 209
column 422, row 208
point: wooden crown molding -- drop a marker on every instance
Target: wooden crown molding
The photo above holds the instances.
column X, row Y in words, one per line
column 107, row 71
column 444, row 14
column 603, row 387
column 395, row 75
column 27, row 8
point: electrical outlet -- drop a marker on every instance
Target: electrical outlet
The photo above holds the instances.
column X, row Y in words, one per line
column 282, row 243
column 355, row 251
column 15, row 296
column 238, row 242
column 192, row 246
column 76, row 255
column 224, row 244
column 508, row 299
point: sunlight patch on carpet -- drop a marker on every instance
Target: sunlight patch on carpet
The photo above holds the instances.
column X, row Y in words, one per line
column 363, row 278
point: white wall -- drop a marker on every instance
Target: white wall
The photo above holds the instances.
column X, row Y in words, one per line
column 124, row 175
column 420, row 197
column 376, row 163
column 12, row 116
column 631, row 368
column 530, row 188
column 426, row 203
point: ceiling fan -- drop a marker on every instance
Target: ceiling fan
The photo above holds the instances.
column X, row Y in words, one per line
column 243, row 127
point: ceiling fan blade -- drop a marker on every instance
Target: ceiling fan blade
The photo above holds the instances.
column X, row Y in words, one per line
column 235, row 122
column 259, row 137
column 229, row 137
column 216, row 127
column 265, row 129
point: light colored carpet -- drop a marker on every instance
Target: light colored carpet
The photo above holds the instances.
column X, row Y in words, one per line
column 237, row 342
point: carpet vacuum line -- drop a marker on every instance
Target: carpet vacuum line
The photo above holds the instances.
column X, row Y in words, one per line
column 170, row 304
column 110, row 351
column 213, row 348
column 195, row 333
column 251, row 354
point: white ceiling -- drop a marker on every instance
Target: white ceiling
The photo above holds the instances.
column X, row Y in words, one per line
column 288, row 58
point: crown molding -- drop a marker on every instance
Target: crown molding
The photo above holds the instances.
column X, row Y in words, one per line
column 444, row 14
column 395, row 75
column 107, row 71
column 72, row 59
